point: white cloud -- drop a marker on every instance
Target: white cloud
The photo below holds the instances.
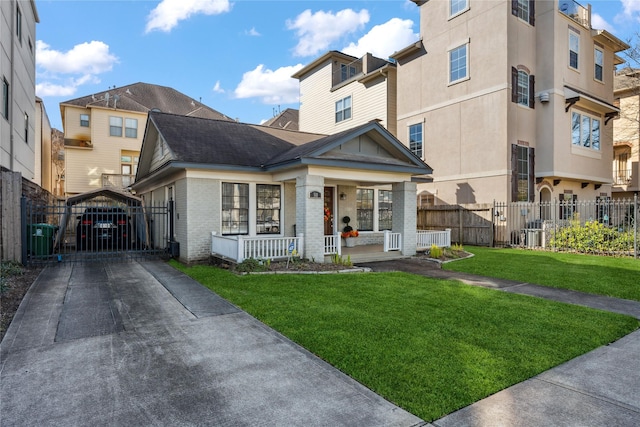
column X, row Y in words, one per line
column 598, row 22
column 169, row 12
column 252, row 32
column 631, row 9
column 86, row 58
column 61, row 73
column 273, row 87
column 384, row 39
column 318, row 30
column 217, row 88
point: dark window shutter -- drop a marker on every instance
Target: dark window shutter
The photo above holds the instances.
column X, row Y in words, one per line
column 514, row 7
column 532, row 91
column 514, row 84
column 532, row 175
column 532, row 12
column 514, row 173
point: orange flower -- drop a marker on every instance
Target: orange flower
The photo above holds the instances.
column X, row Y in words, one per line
column 352, row 233
column 327, row 214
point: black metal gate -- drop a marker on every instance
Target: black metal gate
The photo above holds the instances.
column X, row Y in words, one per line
column 100, row 229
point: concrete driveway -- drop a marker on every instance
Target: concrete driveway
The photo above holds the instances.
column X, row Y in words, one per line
column 142, row 344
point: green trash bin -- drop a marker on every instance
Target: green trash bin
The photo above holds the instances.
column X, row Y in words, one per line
column 40, row 239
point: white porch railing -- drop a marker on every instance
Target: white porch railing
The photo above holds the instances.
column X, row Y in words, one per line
column 332, row 244
column 392, row 241
column 239, row 248
column 426, row 238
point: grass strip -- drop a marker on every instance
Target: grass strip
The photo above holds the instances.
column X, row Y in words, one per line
column 609, row 276
column 429, row 346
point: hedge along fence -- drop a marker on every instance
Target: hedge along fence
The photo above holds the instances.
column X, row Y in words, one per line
column 594, row 238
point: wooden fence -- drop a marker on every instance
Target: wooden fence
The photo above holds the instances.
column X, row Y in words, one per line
column 470, row 225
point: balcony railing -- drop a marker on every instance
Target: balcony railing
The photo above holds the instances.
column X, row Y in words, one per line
column 575, row 11
column 117, row 180
column 622, row 177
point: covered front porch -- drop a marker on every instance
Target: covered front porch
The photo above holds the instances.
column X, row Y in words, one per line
column 239, row 248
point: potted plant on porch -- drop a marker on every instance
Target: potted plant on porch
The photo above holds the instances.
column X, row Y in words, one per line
column 348, row 233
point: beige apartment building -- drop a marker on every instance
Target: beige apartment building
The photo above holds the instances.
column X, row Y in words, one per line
column 18, row 80
column 510, row 100
column 626, row 135
column 339, row 92
column 103, row 132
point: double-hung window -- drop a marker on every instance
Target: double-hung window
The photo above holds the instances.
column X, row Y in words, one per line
column 574, row 49
column 385, row 210
column 522, row 91
column 131, row 128
column 343, row 109
column 598, row 59
column 364, row 209
column 457, row 6
column 415, row 139
column 235, row 208
column 115, row 126
column 585, row 131
column 26, row 128
column 458, row 63
column 524, row 9
column 84, row 120
column 268, row 209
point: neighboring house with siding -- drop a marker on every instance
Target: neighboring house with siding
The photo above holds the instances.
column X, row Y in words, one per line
column 103, row 132
column 248, row 181
column 18, row 143
column 512, row 101
column 626, row 135
column 339, row 91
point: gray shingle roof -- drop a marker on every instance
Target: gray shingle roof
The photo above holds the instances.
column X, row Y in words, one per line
column 143, row 97
column 288, row 119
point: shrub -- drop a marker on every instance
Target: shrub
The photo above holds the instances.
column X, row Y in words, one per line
column 592, row 237
column 435, row 251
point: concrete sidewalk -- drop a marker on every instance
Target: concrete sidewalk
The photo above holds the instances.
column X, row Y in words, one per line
column 600, row 388
column 142, row 344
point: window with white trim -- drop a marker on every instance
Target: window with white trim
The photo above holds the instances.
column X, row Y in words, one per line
column 458, row 63
column 235, row 208
column 347, row 71
column 522, row 173
column 585, row 130
column 131, row 128
column 268, row 209
column 385, row 210
column 84, row 120
column 457, row 6
column 364, row 209
column 343, row 109
column 115, row 126
column 524, row 9
column 523, row 88
column 574, row 49
column 415, row 139
column 598, row 59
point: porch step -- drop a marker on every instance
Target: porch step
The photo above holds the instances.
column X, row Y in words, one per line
column 371, row 257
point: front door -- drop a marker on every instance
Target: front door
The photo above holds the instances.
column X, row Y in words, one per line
column 328, row 211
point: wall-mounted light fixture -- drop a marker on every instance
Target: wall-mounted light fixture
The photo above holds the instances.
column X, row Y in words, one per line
column 343, row 196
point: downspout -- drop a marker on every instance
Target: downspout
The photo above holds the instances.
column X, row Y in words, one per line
column 10, row 94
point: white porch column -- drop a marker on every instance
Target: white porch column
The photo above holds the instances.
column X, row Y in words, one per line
column 404, row 215
column 309, row 215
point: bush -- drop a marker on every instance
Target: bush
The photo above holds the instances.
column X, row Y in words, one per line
column 435, row 251
column 592, row 237
column 251, row 265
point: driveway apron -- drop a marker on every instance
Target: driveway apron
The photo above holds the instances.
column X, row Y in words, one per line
column 143, row 344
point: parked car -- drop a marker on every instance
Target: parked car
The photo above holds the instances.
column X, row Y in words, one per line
column 103, row 228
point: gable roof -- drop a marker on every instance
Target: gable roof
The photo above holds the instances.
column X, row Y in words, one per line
column 144, row 97
column 288, row 119
column 217, row 144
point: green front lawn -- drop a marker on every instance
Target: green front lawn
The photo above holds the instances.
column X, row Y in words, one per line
column 615, row 277
column 429, row 346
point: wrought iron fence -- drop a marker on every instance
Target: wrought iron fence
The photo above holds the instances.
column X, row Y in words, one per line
column 100, row 229
column 601, row 226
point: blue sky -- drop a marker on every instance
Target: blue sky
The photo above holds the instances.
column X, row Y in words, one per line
column 235, row 56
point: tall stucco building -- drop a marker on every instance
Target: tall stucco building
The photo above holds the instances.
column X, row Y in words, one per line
column 510, row 100
column 626, row 135
column 18, row 79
